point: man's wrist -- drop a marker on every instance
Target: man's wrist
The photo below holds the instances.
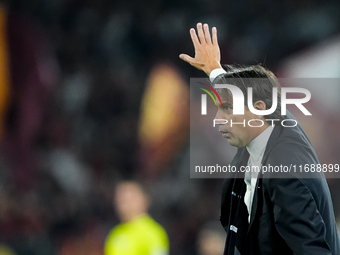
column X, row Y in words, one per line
column 216, row 72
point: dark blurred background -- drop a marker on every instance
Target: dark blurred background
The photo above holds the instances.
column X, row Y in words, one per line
column 93, row 92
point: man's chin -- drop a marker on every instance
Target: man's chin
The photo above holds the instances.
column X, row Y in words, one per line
column 233, row 143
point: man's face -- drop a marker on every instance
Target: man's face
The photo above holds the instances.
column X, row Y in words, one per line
column 129, row 200
column 238, row 135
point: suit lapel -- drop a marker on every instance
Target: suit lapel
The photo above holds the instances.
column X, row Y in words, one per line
column 240, row 159
column 255, row 200
column 271, row 142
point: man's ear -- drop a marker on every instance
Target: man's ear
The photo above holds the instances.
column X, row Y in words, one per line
column 260, row 105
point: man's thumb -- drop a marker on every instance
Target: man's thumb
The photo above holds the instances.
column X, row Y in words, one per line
column 186, row 58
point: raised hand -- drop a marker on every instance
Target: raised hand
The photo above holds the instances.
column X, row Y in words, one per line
column 207, row 52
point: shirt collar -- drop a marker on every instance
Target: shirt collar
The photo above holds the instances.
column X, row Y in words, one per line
column 257, row 146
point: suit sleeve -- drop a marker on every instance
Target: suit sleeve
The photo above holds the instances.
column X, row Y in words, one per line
column 297, row 218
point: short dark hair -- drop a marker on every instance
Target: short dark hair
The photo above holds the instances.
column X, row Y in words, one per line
column 259, row 78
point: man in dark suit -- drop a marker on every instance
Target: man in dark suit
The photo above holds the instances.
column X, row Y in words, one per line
column 266, row 213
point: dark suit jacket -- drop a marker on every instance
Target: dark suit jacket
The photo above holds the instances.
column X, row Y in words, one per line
column 292, row 215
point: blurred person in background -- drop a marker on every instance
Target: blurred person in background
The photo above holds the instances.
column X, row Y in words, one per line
column 211, row 240
column 138, row 234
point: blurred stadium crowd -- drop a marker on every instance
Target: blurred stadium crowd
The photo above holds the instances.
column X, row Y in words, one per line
column 77, row 116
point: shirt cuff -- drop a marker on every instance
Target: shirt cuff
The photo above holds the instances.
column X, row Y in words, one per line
column 216, row 72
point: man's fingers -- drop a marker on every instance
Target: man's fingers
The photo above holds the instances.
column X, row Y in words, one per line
column 207, row 33
column 186, row 58
column 214, row 36
column 201, row 33
column 194, row 37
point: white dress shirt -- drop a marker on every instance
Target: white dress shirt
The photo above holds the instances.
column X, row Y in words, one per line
column 256, row 150
column 216, row 72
